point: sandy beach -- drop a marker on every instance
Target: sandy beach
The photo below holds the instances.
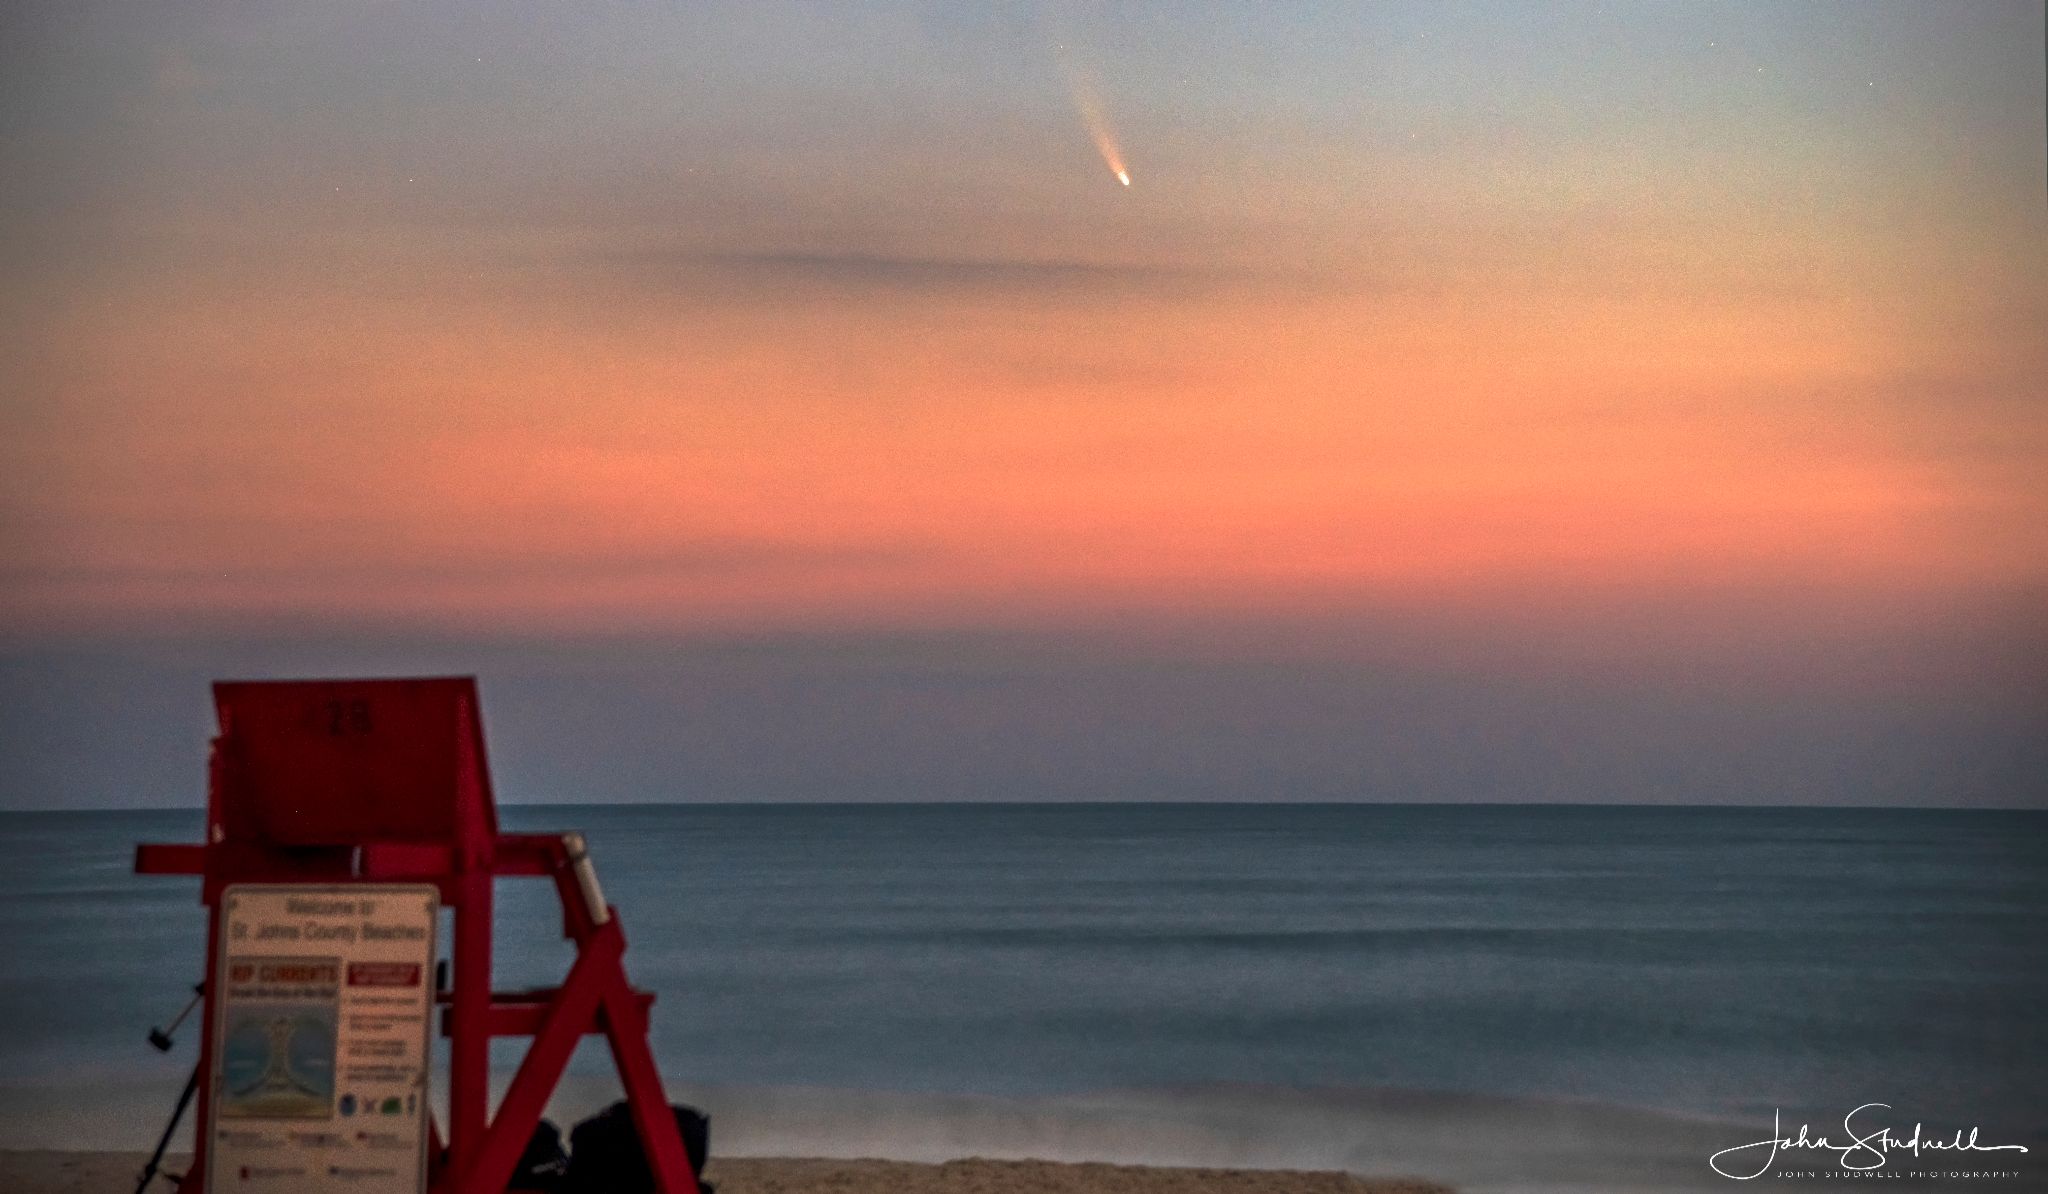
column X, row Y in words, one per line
column 56, row 1172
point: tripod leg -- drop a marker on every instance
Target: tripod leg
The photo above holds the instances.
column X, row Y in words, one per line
column 170, row 1129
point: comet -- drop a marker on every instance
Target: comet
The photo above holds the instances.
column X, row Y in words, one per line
column 1094, row 116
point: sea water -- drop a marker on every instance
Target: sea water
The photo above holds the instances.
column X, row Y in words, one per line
column 1545, row 997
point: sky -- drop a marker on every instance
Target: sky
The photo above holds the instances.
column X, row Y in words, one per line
column 1477, row 401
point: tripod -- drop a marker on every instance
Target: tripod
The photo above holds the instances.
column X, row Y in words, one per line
column 160, row 1039
column 164, row 1142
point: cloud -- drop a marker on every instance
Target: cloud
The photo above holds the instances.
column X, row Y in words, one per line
column 912, row 274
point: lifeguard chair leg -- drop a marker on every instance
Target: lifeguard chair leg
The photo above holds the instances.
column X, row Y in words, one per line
column 570, row 1014
column 202, row 1113
column 625, row 1026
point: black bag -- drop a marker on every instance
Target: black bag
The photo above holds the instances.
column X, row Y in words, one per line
column 605, row 1156
column 543, row 1167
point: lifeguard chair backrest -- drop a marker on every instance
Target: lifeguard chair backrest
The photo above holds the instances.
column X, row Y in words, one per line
column 348, row 762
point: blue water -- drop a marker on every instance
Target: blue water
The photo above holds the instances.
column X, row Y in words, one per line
column 1712, row 962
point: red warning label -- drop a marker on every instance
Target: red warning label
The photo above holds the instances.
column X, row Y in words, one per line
column 383, row 974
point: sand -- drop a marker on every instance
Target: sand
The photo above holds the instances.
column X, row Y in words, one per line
column 115, row 1173
column 746, row 1176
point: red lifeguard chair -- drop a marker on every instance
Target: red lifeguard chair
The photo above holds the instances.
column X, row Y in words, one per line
column 357, row 785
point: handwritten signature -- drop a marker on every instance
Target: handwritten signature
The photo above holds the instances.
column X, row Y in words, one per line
column 1863, row 1151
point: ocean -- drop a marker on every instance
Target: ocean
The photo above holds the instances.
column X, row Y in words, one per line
column 1505, row 997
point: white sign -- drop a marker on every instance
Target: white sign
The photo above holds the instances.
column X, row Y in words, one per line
column 322, row 1007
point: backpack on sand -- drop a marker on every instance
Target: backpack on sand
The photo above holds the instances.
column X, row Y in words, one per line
column 605, row 1155
column 543, row 1167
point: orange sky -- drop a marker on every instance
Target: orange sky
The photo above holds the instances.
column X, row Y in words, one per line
column 808, row 448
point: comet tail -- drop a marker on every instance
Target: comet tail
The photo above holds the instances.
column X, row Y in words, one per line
column 1094, row 117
